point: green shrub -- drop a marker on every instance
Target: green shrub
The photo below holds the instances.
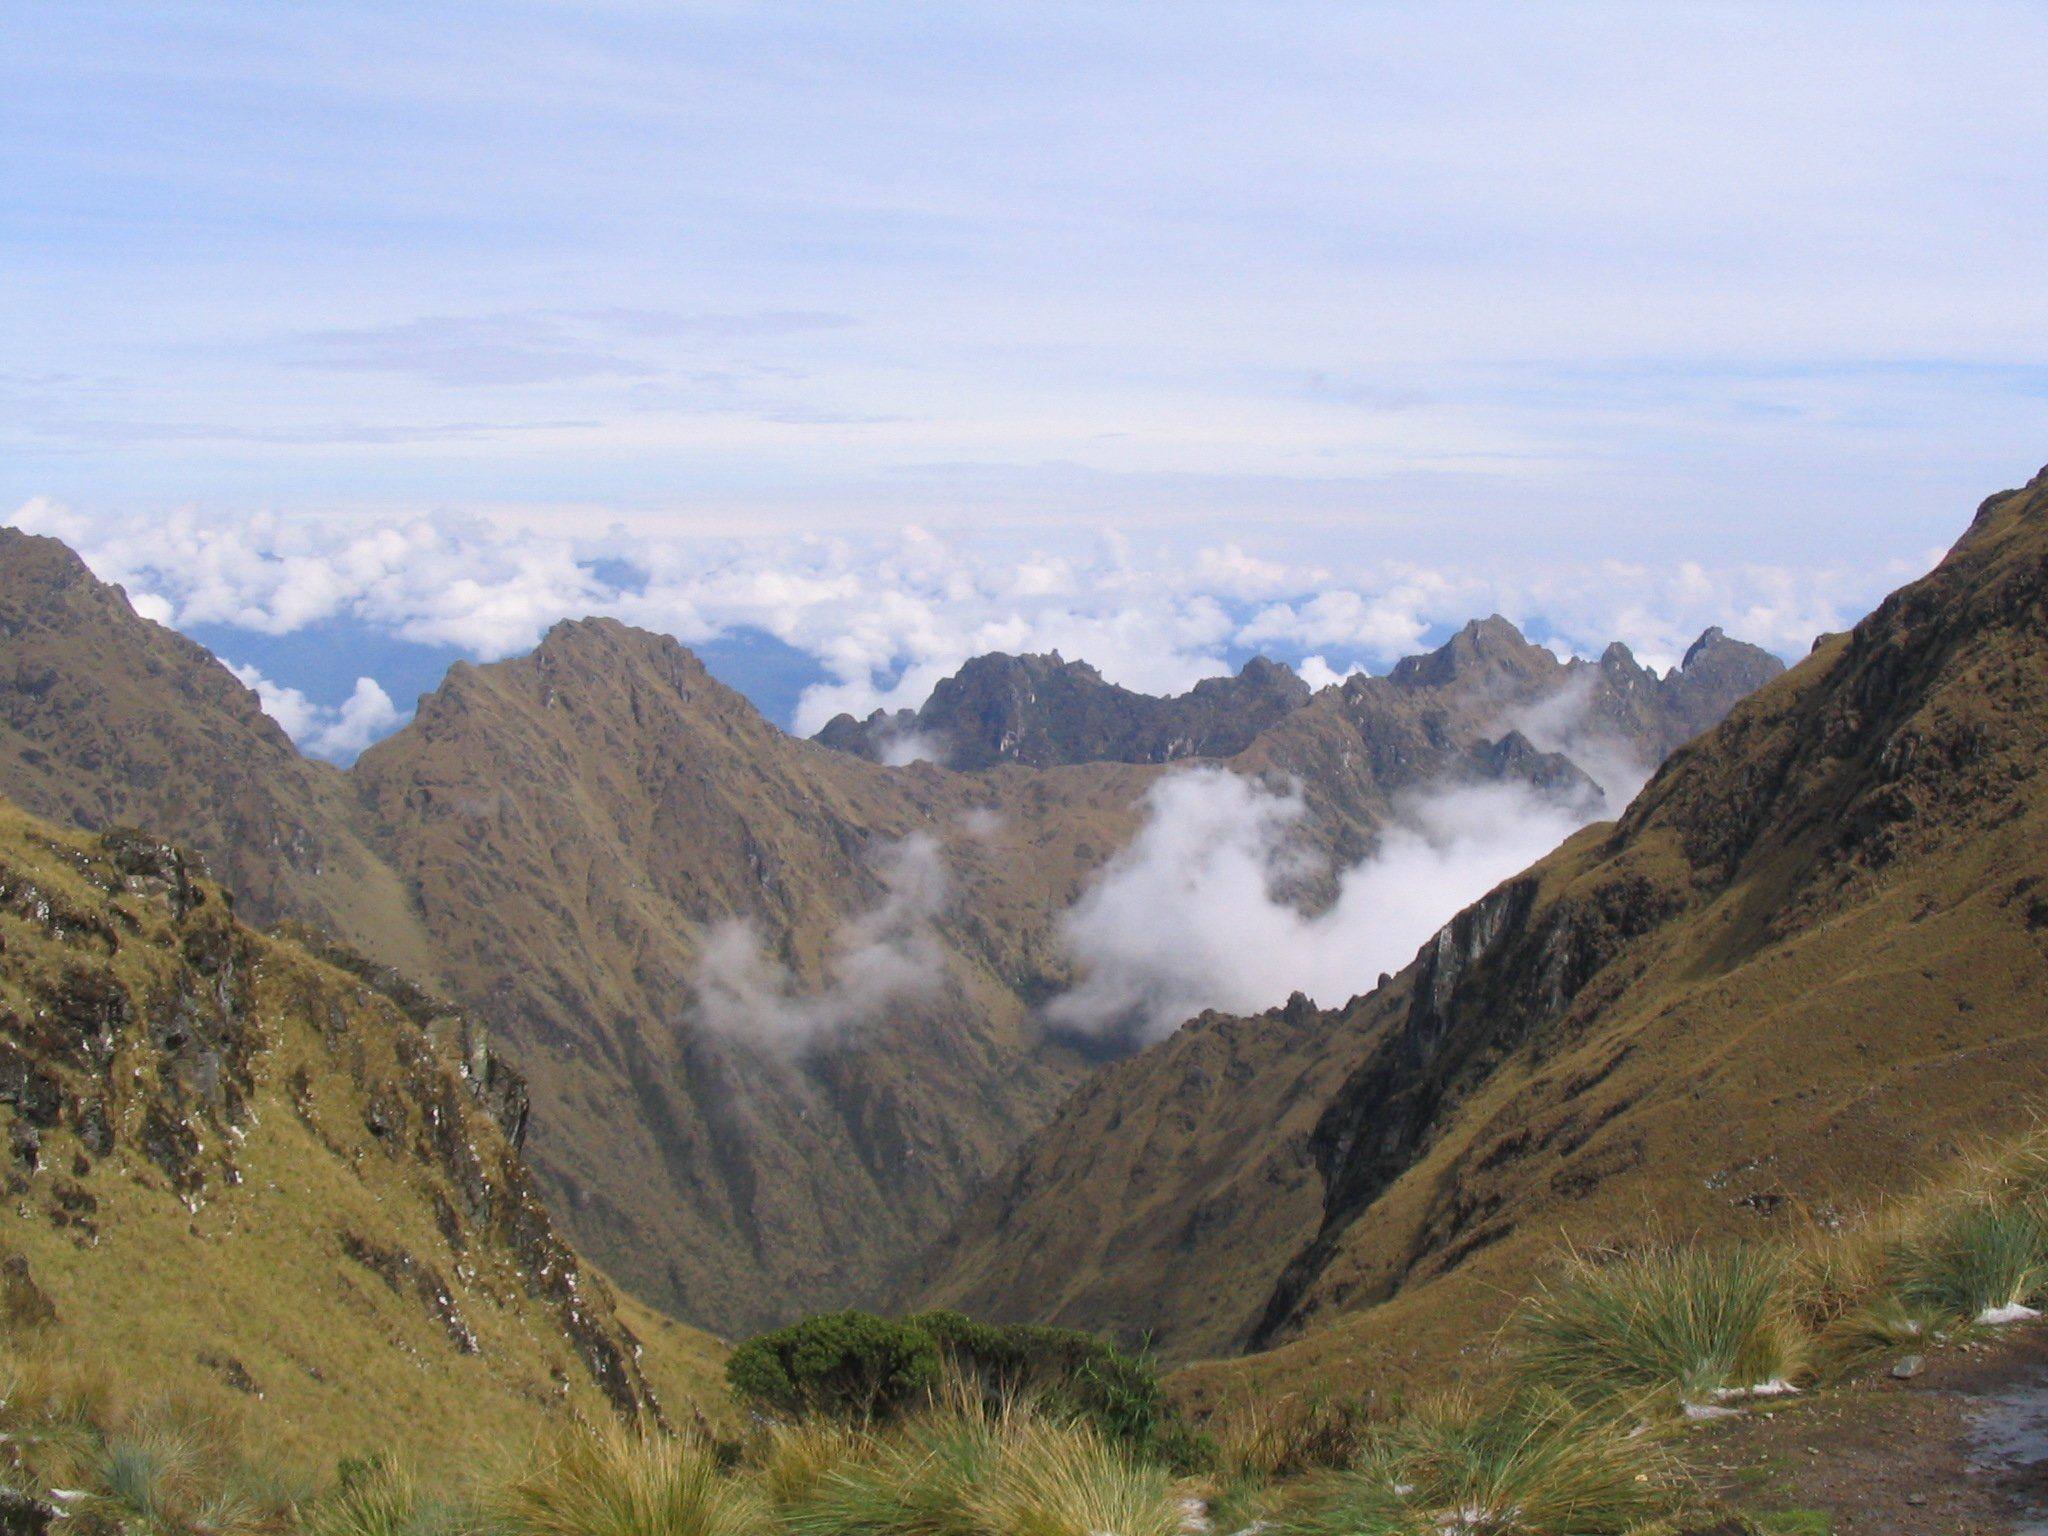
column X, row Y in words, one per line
column 1973, row 1257
column 1681, row 1322
column 849, row 1364
column 852, row 1365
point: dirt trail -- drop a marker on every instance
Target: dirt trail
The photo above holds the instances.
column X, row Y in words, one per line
column 1960, row 1449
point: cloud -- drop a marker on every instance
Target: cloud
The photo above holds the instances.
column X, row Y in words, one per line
column 1195, row 914
column 336, row 732
column 885, row 617
column 1317, row 672
column 882, row 959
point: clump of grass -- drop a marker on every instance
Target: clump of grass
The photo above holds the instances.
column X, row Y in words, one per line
column 1680, row 1323
column 612, row 1480
column 792, row 1461
column 1535, row 1464
column 382, row 1498
column 1263, row 1441
column 173, row 1469
column 1975, row 1256
column 1885, row 1323
column 911, row 1480
column 1050, row 1478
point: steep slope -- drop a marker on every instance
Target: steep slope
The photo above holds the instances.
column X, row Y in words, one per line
column 577, row 824
column 1813, row 946
column 1043, row 711
column 234, row 1161
column 107, row 719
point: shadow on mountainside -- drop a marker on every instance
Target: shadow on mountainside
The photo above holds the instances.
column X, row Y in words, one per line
column 1959, row 1448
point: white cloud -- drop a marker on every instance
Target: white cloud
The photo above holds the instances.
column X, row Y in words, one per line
column 337, row 732
column 884, row 959
column 1195, row 914
column 887, row 617
column 1317, row 672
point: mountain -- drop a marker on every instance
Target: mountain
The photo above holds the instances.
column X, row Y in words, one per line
column 1043, row 711
column 1811, row 950
column 779, row 1006
column 237, row 1161
column 576, row 825
column 107, row 719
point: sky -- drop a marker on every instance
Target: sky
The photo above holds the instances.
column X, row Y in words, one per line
column 850, row 340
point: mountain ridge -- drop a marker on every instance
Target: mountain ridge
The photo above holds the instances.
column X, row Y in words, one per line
column 563, row 842
column 1817, row 908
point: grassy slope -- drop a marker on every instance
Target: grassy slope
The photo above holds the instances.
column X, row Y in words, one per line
column 1833, row 975
column 223, row 1260
column 1809, row 956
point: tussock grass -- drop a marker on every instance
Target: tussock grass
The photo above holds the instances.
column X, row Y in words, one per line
column 1677, row 1324
column 912, row 1480
column 1050, row 1478
column 1975, row 1256
column 615, row 1480
column 387, row 1499
column 792, row 1461
column 1535, row 1464
column 1260, row 1441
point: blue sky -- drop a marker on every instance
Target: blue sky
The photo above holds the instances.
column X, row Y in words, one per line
column 1617, row 317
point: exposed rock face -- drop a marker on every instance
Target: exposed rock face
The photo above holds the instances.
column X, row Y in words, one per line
column 1812, row 945
column 1043, row 711
column 177, row 1085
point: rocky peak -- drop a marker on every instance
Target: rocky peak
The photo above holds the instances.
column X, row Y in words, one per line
column 1488, row 645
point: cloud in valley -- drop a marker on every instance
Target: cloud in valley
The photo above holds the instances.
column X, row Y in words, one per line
column 1194, row 913
column 882, row 959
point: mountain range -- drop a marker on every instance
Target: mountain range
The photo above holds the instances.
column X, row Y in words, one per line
column 780, row 1005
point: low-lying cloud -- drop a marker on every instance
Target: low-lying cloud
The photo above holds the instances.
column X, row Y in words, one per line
column 884, row 958
column 1196, row 912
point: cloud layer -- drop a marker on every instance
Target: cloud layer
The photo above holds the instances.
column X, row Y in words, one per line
column 887, row 617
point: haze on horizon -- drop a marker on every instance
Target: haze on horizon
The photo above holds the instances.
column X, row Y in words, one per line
column 357, row 339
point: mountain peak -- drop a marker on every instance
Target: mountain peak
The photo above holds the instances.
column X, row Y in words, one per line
column 1712, row 636
column 1492, row 643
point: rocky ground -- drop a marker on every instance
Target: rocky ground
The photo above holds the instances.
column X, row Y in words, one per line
column 1959, row 1447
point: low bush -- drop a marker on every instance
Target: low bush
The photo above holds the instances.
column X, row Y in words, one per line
column 855, row 1366
column 1683, row 1324
column 850, row 1364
